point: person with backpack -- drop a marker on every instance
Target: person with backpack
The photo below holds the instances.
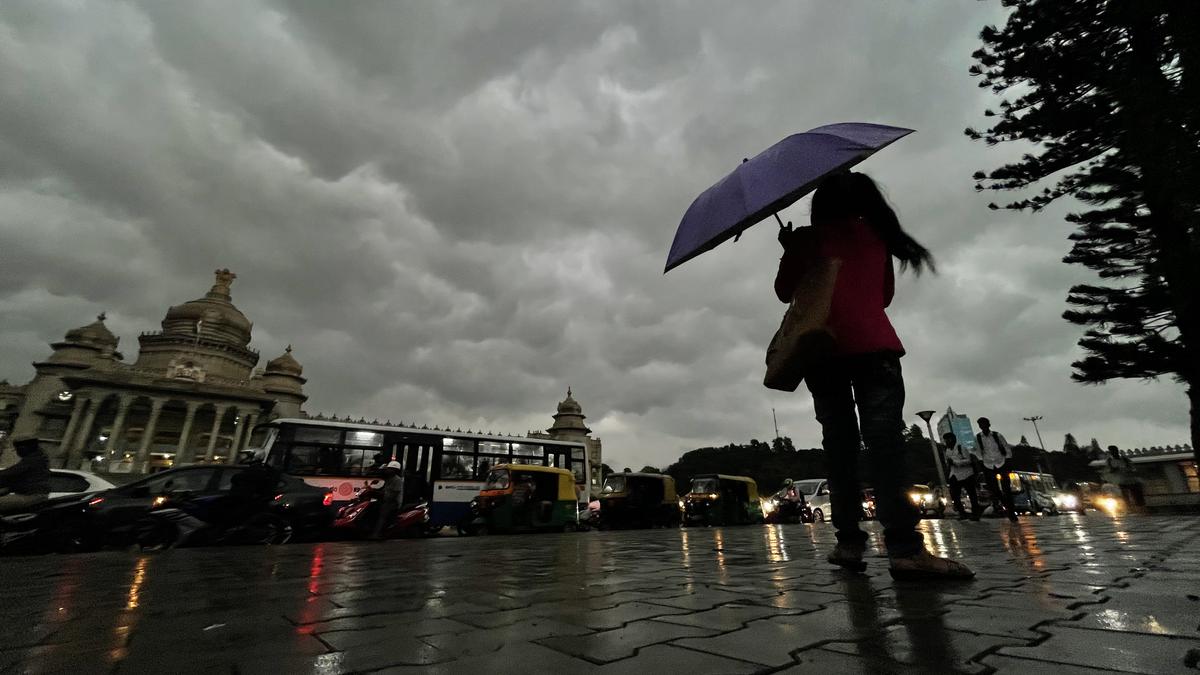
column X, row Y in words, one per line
column 858, row 391
column 960, row 467
column 994, row 453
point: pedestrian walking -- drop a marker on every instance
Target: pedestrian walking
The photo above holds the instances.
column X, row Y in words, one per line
column 994, row 453
column 960, row 465
column 858, row 392
column 1119, row 471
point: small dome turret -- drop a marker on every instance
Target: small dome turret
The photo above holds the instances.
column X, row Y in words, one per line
column 286, row 364
column 94, row 334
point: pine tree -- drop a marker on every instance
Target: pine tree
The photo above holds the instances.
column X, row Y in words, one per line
column 1108, row 91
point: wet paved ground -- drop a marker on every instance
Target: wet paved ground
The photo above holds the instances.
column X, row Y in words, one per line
column 1054, row 595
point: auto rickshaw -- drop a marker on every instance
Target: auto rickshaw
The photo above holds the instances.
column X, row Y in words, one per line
column 717, row 499
column 638, row 500
column 524, row 498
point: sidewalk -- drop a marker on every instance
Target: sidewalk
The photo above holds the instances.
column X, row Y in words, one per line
column 1053, row 595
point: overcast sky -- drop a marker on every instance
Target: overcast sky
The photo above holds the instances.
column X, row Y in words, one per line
column 453, row 211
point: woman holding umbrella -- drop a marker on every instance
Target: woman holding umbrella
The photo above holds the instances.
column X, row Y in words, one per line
column 852, row 221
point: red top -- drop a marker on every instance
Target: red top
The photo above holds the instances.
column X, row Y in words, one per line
column 865, row 284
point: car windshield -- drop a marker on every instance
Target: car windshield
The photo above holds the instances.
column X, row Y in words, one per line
column 497, row 480
column 705, row 485
column 808, row 487
column 614, row 484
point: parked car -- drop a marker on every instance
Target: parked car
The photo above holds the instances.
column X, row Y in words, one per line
column 65, row 482
column 109, row 517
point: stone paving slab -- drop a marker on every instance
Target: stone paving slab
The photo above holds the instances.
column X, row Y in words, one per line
column 1053, row 595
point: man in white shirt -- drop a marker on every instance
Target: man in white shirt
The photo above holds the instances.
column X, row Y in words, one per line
column 961, row 467
column 994, row 452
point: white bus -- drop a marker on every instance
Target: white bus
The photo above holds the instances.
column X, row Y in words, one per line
column 444, row 467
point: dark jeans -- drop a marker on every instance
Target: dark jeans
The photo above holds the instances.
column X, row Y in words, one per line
column 874, row 385
column 956, row 489
column 1002, row 497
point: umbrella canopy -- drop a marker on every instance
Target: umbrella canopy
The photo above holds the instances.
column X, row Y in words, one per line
column 772, row 180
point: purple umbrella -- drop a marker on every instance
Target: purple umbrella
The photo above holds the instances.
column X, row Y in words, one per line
column 772, row 180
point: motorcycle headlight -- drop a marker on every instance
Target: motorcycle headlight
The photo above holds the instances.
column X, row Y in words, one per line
column 866, row 505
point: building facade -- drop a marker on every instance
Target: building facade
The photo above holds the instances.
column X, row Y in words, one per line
column 1168, row 474
column 960, row 426
column 190, row 396
column 568, row 426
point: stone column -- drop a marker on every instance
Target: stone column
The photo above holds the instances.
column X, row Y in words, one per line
column 218, row 415
column 83, row 435
column 143, row 454
column 183, row 453
column 250, row 421
column 118, row 426
column 239, row 430
column 64, row 446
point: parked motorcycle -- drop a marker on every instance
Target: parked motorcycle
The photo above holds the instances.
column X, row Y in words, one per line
column 210, row 520
column 357, row 518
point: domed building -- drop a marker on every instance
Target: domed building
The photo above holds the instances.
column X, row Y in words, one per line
column 568, row 426
column 191, row 395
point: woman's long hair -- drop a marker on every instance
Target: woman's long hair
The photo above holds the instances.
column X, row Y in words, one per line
column 849, row 195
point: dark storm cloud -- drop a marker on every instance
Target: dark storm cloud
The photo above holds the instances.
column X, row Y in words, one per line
column 454, row 210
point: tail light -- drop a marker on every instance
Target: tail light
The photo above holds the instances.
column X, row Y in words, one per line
column 279, row 497
column 95, row 501
column 328, row 500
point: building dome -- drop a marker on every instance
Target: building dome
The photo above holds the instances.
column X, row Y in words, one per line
column 568, row 421
column 212, row 317
column 285, row 364
column 95, row 333
column 569, row 406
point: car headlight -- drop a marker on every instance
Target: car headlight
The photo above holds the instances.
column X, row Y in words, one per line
column 915, row 497
column 1069, row 502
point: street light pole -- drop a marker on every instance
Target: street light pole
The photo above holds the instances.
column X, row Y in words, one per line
column 937, row 459
column 1034, row 419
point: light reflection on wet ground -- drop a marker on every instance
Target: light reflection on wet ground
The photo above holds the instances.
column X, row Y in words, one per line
column 1069, row 590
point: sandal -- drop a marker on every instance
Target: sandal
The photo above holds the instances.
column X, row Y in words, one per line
column 925, row 566
column 849, row 557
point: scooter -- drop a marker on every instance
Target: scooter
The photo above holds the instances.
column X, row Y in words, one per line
column 357, row 519
column 208, row 520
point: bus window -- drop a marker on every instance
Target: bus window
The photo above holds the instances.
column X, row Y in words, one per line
column 526, row 450
column 492, row 448
column 457, row 467
column 368, row 439
column 301, row 459
column 458, row 445
column 318, row 436
column 486, row 463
